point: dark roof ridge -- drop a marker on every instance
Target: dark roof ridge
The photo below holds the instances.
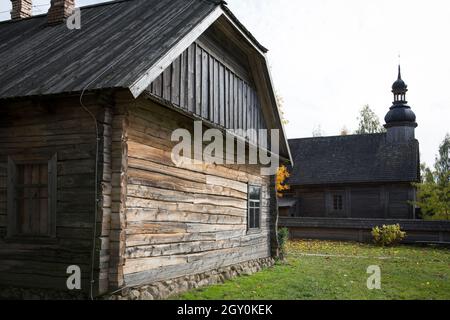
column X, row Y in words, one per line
column 340, row 136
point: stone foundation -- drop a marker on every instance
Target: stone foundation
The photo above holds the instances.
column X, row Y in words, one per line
column 165, row 289
column 155, row 291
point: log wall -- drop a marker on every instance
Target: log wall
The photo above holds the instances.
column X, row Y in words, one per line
column 35, row 128
column 183, row 220
column 389, row 201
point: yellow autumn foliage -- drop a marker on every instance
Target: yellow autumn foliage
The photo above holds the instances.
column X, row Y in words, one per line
column 282, row 175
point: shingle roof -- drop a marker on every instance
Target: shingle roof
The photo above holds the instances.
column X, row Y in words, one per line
column 120, row 45
column 353, row 159
column 117, row 42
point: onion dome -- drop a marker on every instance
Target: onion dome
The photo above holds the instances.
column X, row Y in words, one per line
column 400, row 114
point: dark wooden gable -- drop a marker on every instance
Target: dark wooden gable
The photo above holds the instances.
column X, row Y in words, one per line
column 212, row 79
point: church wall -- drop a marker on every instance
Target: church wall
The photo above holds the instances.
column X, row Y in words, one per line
column 369, row 201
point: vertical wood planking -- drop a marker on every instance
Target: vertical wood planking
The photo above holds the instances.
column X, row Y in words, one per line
column 238, row 104
column 221, row 95
column 183, row 80
column 211, row 87
column 227, row 97
column 157, row 86
column 191, row 84
column 167, row 83
column 175, row 82
column 198, row 80
column 249, row 114
column 216, row 93
column 235, row 102
column 204, row 85
column 255, row 116
column 245, row 106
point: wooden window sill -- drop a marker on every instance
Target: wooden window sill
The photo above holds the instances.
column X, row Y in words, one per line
column 254, row 231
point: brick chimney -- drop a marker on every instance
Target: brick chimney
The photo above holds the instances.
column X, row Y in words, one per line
column 60, row 10
column 21, row 9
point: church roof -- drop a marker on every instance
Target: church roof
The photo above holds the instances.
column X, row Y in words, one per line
column 353, row 159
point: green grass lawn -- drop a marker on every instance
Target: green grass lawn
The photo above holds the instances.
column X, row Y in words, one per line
column 337, row 270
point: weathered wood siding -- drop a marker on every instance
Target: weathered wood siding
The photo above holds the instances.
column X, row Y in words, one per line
column 119, row 189
column 183, row 220
column 217, row 88
column 43, row 128
column 359, row 201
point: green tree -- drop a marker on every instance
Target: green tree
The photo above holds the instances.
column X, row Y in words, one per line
column 442, row 163
column 433, row 193
column 426, row 174
column 368, row 122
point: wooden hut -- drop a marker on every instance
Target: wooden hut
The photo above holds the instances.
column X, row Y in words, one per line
column 86, row 118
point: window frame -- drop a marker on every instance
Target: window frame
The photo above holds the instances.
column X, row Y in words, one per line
column 12, row 218
column 337, row 208
column 249, row 201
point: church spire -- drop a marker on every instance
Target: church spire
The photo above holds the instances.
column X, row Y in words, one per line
column 399, row 89
column 400, row 116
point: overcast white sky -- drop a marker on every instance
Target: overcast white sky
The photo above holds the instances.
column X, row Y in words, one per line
column 330, row 57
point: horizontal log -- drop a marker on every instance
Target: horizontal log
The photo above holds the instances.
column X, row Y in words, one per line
column 164, row 181
column 193, row 266
column 146, row 152
column 145, row 239
column 155, row 227
column 136, row 192
column 192, row 247
column 162, row 215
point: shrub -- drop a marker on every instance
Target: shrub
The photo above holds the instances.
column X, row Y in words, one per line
column 388, row 235
column 283, row 237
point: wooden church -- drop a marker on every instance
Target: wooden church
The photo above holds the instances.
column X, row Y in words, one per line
column 358, row 176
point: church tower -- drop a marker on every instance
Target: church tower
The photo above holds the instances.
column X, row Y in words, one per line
column 400, row 120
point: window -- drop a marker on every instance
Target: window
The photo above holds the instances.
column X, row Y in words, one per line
column 338, row 204
column 254, row 207
column 31, row 197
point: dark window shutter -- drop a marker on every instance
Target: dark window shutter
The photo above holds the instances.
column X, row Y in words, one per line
column 52, row 193
column 11, row 196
